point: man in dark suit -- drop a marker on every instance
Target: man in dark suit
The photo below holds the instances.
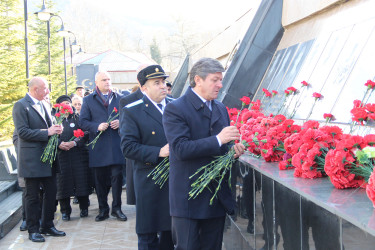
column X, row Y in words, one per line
column 197, row 129
column 143, row 140
column 169, row 89
column 125, row 100
column 33, row 123
column 105, row 158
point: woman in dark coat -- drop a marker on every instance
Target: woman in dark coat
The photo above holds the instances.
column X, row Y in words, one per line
column 73, row 180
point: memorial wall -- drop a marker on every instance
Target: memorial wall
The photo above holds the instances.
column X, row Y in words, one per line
column 330, row 45
column 332, row 50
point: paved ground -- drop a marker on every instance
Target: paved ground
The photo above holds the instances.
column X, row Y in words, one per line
column 82, row 233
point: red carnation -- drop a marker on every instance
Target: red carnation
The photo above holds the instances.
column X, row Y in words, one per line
column 245, row 100
column 274, row 92
column 357, row 104
column 370, row 188
column 328, row 117
column 57, row 114
column 370, row 107
column 369, row 139
column 78, row 133
column 370, row 84
column 359, row 115
column 371, row 116
column 304, row 83
column 317, row 95
column 311, row 124
column 115, row 109
column 293, row 89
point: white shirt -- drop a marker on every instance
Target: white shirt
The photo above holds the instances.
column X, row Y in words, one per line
column 36, row 101
column 156, row 104
column 210, row 107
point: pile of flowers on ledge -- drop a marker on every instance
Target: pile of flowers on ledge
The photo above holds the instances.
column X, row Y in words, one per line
column 311, row 150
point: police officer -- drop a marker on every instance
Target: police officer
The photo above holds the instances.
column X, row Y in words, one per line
column 143, row 140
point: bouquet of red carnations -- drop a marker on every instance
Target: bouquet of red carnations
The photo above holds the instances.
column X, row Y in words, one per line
column 216, row 170
column 110, row 119
column 49, row 154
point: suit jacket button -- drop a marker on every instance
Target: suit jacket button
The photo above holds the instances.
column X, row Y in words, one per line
column 153, row 132
column 146, row 105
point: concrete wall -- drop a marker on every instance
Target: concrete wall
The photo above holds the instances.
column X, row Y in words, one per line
column 304, row 20
column 295, row 10
column 225, row 41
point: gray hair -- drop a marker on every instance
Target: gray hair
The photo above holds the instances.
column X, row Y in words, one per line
column 203, row 68
column 76, row 97
column 101, row 72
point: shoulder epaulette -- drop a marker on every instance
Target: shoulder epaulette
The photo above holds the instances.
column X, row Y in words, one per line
column 134, row 103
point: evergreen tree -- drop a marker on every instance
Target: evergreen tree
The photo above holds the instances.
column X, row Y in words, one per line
column 155, row 51
column 39, row 57
column 13, row 80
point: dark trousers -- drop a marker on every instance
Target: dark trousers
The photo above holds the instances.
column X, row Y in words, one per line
column 193, row 234
column 65, row 207
column 32, row 202
column 105, row 177
column 123, row 174
column 151, row 241
column 23, row 204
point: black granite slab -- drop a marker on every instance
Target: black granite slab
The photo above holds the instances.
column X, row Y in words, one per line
column 351, row 205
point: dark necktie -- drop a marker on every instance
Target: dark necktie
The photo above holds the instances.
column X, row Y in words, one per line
column 105, row 96
column 160, row 106
column 208, row 105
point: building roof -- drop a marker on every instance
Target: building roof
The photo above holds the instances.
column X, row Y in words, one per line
column 112, row 60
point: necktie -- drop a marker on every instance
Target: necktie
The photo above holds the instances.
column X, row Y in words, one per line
column 160, row 106
column 105, row 96
column 208, row 103
column 41, row 108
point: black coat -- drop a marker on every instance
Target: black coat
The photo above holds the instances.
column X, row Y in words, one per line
column 142, row 137
column 107, row 149
column 191, row 132
column 74, row 177
column 32, row 131
column 130, row 194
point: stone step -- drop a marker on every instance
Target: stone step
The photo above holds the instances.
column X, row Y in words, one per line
column 10, row 212
column 7, row 188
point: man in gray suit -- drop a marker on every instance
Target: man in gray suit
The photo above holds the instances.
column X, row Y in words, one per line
column 33, row 123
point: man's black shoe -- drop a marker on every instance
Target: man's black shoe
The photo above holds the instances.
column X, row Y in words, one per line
column 84, row 213
column 36, row 237
column 65, row 217
column 75, row 200
column 52, row 232
column 250, row 228
column 23, row 226
column 119, row 215
column 101, row 217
